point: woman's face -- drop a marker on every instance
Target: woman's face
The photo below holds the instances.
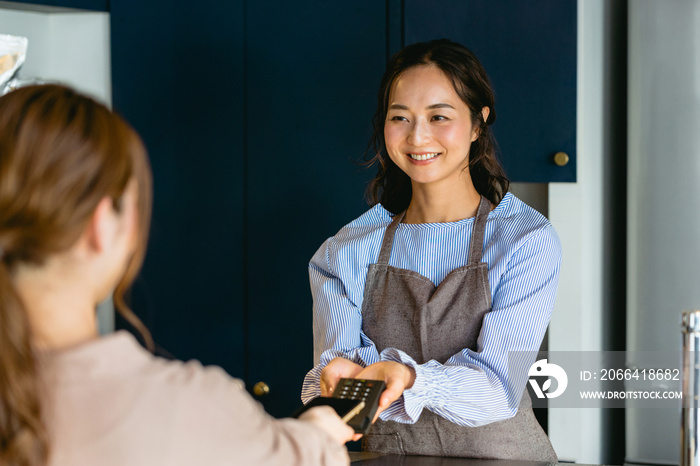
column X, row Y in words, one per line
column 428, row 129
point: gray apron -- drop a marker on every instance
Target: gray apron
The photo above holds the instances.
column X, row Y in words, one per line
column 403, row 309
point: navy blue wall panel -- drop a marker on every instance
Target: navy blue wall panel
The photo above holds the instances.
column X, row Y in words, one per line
column 177, row 75
column 254, row 116
column 529, row 51
column 313, row 69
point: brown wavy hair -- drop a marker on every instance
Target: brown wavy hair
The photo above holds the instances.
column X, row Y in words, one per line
column 391, row 186
column 61, row 153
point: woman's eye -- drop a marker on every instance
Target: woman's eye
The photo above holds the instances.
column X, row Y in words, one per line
column 397, row 118
column 439, row 118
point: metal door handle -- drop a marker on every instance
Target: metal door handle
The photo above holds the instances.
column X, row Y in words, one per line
column 261, row 389
column 561, row 158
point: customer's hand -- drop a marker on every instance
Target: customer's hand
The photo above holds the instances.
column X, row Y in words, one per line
column 398, row 377
column 335, row 370
column 326, row 419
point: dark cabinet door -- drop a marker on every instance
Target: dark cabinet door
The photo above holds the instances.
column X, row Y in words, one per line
column 313, row 69
column 177, row 76
column 529, row 51
column 253, row 113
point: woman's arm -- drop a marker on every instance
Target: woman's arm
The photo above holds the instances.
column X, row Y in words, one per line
column 212, row 420
column 337, row 325
column 476, row 388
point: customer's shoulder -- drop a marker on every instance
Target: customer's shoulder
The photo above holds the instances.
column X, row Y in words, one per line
column 190, row 375
column 120, row 357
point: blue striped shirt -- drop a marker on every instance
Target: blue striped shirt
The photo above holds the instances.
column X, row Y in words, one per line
column 471, row 388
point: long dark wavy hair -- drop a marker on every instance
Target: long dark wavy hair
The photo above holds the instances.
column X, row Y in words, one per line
column 391, row 186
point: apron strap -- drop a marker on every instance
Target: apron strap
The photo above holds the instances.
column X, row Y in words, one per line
column 476, row 245
column 388, row 241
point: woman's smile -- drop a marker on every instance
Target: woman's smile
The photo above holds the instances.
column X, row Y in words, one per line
column 422, row 158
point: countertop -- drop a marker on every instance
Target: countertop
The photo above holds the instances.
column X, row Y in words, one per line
column 378, row 459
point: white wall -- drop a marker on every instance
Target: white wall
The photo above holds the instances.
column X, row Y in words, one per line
column 69, row 47
column 664, row 200
column 663, row 226
column 575, row 210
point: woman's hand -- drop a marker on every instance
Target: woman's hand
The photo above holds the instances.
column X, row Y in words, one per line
column 398, row 377
column 326, row 419
column 335, row 370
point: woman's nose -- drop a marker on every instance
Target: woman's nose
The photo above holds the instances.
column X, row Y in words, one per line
column 419, row 133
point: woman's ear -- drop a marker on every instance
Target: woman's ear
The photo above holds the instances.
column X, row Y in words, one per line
column 476, row 128
column 485, row 112
column 101, row 228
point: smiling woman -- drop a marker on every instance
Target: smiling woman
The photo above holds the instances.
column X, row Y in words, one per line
column 445, row 275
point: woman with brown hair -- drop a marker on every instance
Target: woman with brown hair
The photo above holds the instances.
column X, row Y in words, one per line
column 75, row 202
column 447, row 273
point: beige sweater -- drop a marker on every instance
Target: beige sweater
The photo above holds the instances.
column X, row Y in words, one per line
column 113, row 403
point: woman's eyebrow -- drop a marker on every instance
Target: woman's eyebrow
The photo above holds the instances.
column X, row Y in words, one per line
column 440, row 105
column 429, row 107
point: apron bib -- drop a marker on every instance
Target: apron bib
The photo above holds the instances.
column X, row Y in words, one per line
column 403, row 309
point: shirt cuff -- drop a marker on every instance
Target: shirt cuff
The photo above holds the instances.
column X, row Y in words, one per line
column 428, row 388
